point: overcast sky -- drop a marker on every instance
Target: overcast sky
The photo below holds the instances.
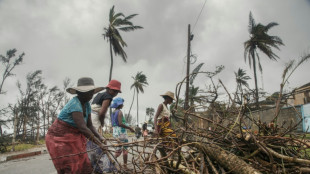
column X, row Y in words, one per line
column 64, row 39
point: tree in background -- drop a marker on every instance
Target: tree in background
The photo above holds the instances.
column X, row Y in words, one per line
column 140, row 81
column 9, row 62
column 117, row 21
column 150, row 113
column 259, row 39
column 241, row 79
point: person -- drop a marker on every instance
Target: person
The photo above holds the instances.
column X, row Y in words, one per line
column 66, row 138
column 100, row 105
column 138, row 131
column 162, row 117
column 144, row 129
column 119, row 128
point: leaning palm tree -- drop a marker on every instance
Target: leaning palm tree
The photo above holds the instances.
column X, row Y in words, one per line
column 241, row 79
column 140, row 81
column 118, row 22
column 259, row 39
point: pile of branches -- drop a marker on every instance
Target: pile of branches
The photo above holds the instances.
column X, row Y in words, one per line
column 225, row 148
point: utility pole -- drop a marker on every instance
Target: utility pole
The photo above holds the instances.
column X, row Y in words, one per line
column 186, row 106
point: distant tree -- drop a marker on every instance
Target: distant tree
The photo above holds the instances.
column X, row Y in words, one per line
column 241, row 79
column 118, row 22
column 9, row 64
column 140, row 81
column 150, row 113
column 259, row 39
column 129, row 119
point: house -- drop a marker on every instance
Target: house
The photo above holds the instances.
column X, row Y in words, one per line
column 300, row 96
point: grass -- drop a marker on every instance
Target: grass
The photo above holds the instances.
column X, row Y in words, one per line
column 24, row 146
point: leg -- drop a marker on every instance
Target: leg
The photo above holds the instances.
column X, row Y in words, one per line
column 125, row 157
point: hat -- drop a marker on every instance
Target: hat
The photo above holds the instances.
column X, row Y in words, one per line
column 117, row 102
column 114, row 84
column 169, row 94
column 85, row 84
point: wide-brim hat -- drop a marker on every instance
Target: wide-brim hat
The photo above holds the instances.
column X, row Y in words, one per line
column 85, row 84
column 115, row 84
column 169, row 94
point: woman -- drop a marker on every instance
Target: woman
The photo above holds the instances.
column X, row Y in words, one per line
column 162, row 117
column 100, row 107
column 66, row 138
column 119, row 128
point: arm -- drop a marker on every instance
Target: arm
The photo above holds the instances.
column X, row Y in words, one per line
column 159, row 109
column 81, row 125
column 120, row 123
column 103, row 111
column 93, row 129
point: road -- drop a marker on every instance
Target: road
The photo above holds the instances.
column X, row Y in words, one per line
column 33, row 165
column 36, row 164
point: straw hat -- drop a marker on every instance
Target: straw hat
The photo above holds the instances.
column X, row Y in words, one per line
column 169, row 94
column 85, row 84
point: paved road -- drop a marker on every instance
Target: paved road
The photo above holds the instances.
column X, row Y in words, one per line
column 33, row 165
column 36, row 164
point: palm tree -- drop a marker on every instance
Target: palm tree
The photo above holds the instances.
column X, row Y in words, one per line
column 140, row 81
column 241, row 79
column 259, row 39
column 118, row 22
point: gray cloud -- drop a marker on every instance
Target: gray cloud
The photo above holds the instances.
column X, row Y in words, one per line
column 64, row 39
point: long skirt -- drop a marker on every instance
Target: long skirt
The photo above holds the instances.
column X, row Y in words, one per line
column 67, row 148
column 164, row 128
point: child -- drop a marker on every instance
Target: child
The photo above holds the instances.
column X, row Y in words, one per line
column 119, row 128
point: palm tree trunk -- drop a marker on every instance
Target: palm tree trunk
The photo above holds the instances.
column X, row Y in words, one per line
column 111, row 67
column 137, row 109
column 133, row 98
column 255, row 79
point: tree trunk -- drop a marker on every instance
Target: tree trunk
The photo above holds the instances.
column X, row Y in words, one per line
column 38, row 128
column 24, row 127
column 14, row 131
column 228, row 160
column 111, row 67
column 133, row 98
column 255, row 79
column 137, row 108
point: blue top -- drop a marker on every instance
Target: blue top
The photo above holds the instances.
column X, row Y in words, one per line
column 114, row 118
column 74, row 105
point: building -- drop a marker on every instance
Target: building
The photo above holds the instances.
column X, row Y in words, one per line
column 300, row 96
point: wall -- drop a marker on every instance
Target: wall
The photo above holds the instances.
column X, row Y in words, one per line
column 289, row 115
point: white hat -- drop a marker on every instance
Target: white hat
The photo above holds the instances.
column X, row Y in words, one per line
column 85, row 84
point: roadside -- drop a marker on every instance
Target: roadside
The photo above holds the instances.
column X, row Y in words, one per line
column 40, row 149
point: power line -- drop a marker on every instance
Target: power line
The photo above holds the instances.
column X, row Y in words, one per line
column 199, row 15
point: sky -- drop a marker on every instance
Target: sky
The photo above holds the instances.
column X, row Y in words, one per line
column 64, row 40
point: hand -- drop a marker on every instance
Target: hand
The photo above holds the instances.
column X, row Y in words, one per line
column 104, row 141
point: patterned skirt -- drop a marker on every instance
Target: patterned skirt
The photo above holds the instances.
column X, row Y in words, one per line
column 67, row 148
column 121, row 134
column 164, row 128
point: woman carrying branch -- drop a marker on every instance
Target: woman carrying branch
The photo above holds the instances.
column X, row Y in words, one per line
column 100, row 106
column 66, row 138
column 162, row 117
column 119, row 128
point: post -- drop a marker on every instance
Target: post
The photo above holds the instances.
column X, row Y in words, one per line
column 187, row 69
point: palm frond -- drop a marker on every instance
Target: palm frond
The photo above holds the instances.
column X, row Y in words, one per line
column 270, row 25
column 130, row 28
column 251, row 23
